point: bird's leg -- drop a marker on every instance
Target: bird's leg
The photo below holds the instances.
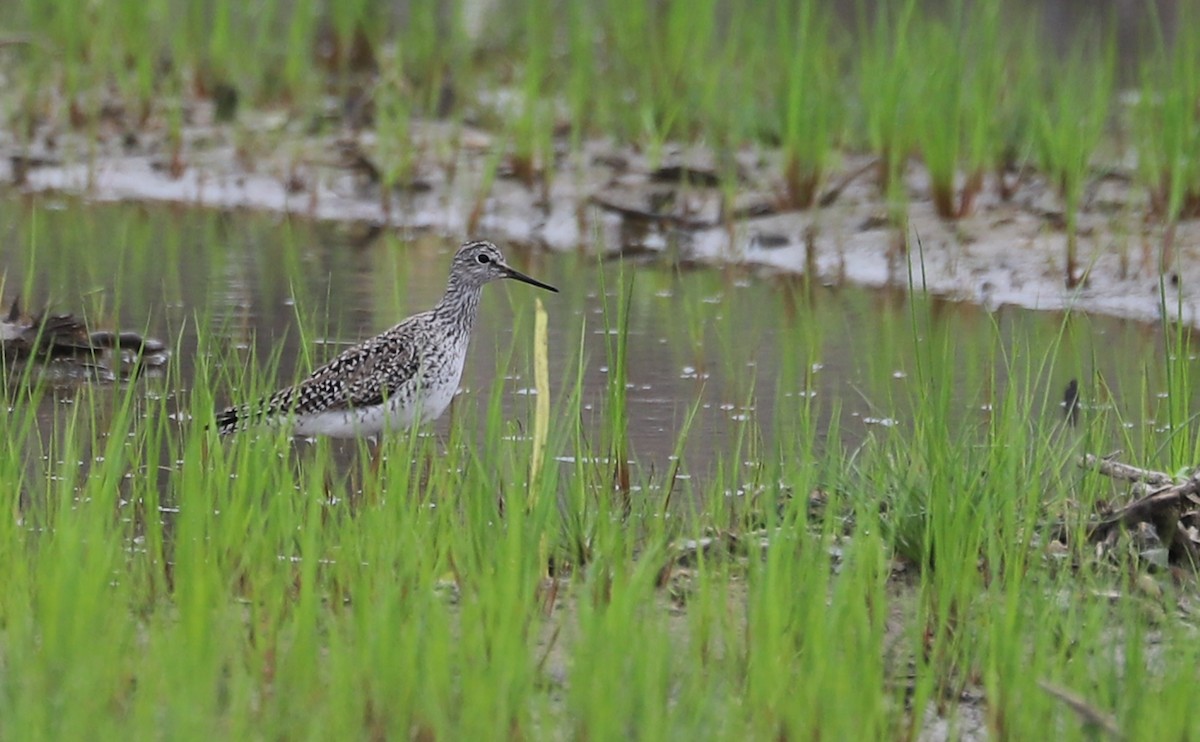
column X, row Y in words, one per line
column 354, row 485
column 370, row 488
column 440, row 445
column 429, row 454
column 329, row 482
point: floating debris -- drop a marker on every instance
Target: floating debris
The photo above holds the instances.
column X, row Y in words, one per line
column 1162, row 519
column 64, row 340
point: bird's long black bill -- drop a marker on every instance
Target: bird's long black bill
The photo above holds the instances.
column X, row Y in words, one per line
column 531, row 281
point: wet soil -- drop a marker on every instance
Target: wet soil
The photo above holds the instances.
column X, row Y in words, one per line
column 688, row 205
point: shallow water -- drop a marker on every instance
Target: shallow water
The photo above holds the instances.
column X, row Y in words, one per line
column 751, row 349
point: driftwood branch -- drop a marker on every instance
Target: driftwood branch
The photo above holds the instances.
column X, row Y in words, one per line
column 1162, row 506
column 1109, row 467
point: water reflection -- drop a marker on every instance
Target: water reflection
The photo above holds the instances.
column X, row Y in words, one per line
column 754, row 353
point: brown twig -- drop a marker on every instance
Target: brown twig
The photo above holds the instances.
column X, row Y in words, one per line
column 1091, row 716
column 1162, row 507
column 828, row 197
column 1109, row 467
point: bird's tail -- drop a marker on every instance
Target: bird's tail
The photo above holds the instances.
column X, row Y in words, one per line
column 263, row 412
column 232, row 419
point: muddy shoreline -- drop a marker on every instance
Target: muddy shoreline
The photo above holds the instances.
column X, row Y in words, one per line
column 616, row 200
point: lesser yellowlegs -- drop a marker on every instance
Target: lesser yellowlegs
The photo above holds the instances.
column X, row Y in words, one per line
column 402, row 377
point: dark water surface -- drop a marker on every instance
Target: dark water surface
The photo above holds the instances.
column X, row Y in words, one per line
column 750, row 349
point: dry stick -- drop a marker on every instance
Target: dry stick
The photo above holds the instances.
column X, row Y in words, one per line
column 541, row 664
column 1089, row 714
column 833, row 193
column 1116, row 470
column 21, row 40
column 1151, row 506
column 676, row 220
column 1161, row 507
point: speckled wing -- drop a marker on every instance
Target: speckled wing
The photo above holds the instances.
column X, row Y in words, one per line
column 363, row 376
column 360, row 376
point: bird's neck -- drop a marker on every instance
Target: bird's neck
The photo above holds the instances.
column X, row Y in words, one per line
column 459, row 305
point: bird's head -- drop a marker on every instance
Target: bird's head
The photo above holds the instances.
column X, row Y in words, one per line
column 477, row 263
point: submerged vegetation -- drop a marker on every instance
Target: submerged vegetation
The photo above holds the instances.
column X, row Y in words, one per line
column 917, row 560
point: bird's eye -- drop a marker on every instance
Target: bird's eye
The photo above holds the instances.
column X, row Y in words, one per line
column 483, row 258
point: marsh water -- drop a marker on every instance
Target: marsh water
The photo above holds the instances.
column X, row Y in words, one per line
column 750, row 351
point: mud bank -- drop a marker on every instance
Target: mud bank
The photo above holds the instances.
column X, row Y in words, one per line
column 1007, row 252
